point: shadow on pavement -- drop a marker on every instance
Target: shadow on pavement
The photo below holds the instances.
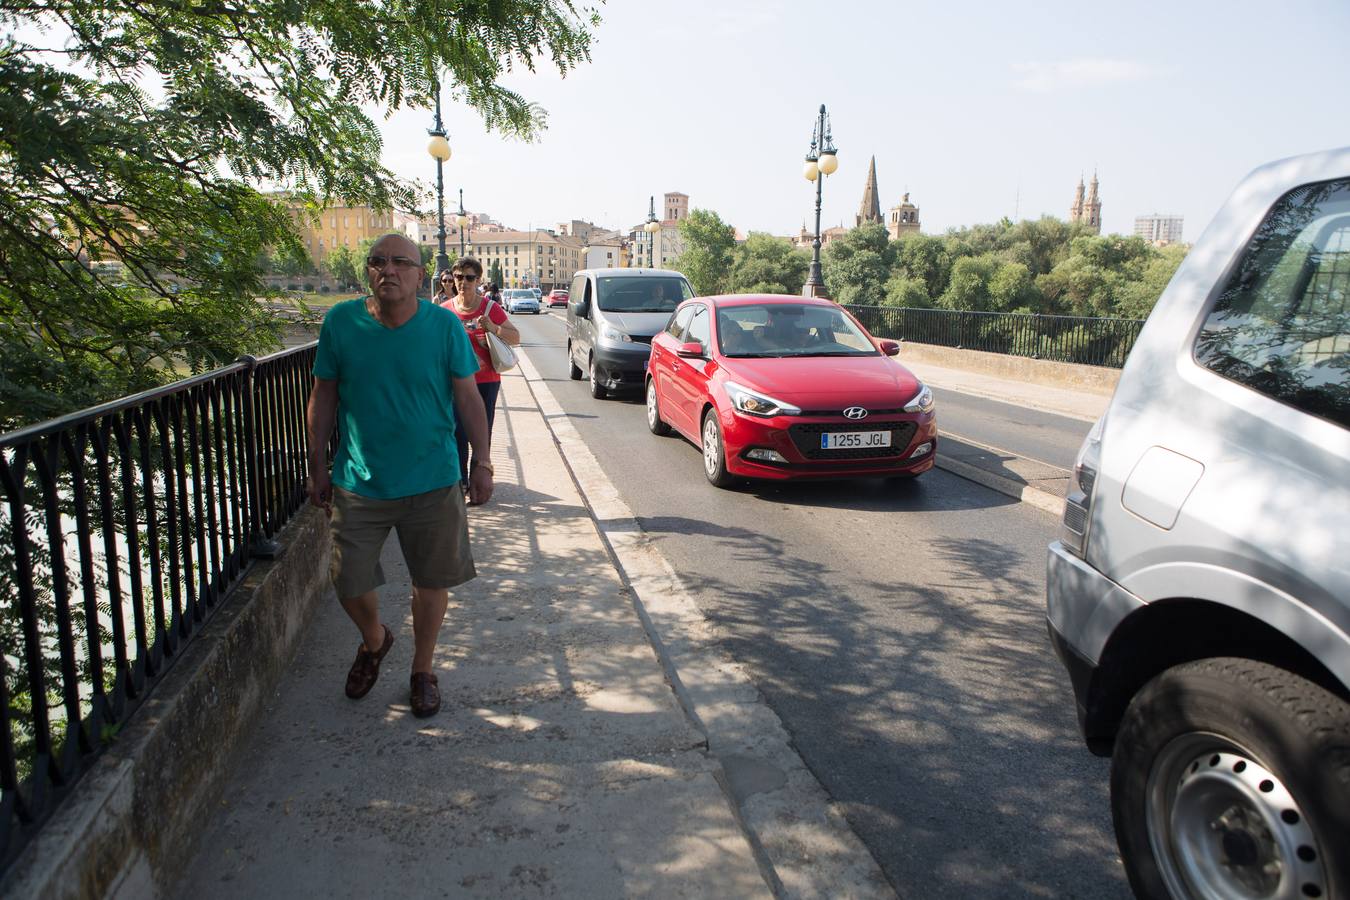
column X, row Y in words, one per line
column 934, row 712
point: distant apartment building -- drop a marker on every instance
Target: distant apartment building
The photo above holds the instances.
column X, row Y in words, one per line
column 538, row 258
column 1159, row 230
column 602, row 248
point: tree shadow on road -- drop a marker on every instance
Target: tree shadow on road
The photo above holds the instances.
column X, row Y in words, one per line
column 934, row 712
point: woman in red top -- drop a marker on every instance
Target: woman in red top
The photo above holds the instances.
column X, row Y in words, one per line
column 479, row 315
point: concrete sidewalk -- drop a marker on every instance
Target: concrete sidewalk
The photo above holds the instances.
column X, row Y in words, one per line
column 561, row 764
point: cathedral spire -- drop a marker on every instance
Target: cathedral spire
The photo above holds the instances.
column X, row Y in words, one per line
column 870, row 208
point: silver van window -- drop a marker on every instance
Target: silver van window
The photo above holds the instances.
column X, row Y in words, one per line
column 1282, row 324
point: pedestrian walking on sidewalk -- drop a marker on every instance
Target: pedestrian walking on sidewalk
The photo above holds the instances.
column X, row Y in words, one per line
column 390, row 369
column 480, row 315
column 445, row 288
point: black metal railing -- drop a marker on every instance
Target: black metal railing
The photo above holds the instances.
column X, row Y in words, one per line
column 1074, row 339
column 123, row 527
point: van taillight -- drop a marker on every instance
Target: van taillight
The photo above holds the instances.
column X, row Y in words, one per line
column 1077, row 506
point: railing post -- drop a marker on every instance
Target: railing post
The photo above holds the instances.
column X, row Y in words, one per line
column 259, row 544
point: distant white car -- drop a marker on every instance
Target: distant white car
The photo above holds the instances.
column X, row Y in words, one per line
column 520, row 300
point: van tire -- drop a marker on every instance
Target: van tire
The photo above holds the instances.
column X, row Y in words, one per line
column 1268, row 748
column 573, row 370
column 597, row 389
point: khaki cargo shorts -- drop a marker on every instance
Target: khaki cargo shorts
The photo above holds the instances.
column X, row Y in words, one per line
column 433, row 531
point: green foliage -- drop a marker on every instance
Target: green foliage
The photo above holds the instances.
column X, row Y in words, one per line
column 1042, row 266
column 907, row 292
column 925, row 257
column 341, row 263
column 1135, row 299
column 857, row 266
column 141, row 139
column 708, row 246
column 765, row 264
column 495, row 274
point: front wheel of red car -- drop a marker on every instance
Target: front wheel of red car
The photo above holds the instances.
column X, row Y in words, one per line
column 714, row 452
column 1230, row 778
column 654, row 423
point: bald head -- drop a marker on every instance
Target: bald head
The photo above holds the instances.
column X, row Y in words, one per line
column 395, row 244
column 400, row 270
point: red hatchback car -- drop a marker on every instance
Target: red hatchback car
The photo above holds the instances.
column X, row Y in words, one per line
column 557, row 297
column 787, row 387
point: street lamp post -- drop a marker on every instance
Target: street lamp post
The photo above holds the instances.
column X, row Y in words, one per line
column 439, row 148
column 651, row 227
column 461, row 220
column 821, row 160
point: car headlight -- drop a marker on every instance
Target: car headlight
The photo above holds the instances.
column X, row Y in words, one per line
column 613, row 334
column 756, row 404
column 922, row 402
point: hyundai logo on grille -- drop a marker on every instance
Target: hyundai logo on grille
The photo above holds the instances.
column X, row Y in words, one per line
column 855, row 412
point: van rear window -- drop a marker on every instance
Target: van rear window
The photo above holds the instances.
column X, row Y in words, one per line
column 1282, row 324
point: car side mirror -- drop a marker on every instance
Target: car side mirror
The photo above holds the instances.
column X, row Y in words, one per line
column 690, row 350
column 583, row 308
column 890, row 348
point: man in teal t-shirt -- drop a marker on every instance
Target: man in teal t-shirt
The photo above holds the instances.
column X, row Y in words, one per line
column 389, row 372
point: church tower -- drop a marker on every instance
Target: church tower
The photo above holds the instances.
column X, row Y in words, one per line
column 1092, row 211
column 904, row 219
column 1087, row 211
column 870, row 209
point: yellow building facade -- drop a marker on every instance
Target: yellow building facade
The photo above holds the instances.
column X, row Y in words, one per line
column 528, row 258
column 340, row 226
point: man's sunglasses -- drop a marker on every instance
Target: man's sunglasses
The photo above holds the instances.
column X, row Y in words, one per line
column 398, row 262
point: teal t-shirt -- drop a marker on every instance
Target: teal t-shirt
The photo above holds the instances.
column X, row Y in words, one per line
column 395, row 414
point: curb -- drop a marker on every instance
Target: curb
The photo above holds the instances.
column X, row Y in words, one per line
column 804, row 846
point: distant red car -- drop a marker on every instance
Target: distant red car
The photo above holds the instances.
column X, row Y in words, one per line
column 787, row 387
column 557, row 297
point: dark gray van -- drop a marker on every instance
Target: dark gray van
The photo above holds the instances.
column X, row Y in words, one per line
column 612, row 315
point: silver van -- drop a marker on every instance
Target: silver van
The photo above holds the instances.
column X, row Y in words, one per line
column 612, row 315
column 1200, row 594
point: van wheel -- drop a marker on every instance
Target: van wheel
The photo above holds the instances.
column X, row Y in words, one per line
column 1230, row 779
column 573, row 370
column 714, row 452
column 597, row 388
column 654, row 422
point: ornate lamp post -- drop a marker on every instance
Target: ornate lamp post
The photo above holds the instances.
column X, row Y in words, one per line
column 461, row 220
column 651, row 227
column 439, row 148
column 821, row 160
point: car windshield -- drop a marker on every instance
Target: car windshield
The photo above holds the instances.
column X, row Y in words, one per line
column 789, row 329
column 519, row 295
column 647, row 294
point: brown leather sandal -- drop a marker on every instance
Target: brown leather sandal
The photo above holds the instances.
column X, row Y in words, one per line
column 366, row 669
column 426, row 696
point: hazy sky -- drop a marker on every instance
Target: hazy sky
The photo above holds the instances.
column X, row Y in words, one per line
column 979, row 108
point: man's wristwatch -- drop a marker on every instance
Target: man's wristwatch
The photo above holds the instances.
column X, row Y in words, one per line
column 487, row 464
